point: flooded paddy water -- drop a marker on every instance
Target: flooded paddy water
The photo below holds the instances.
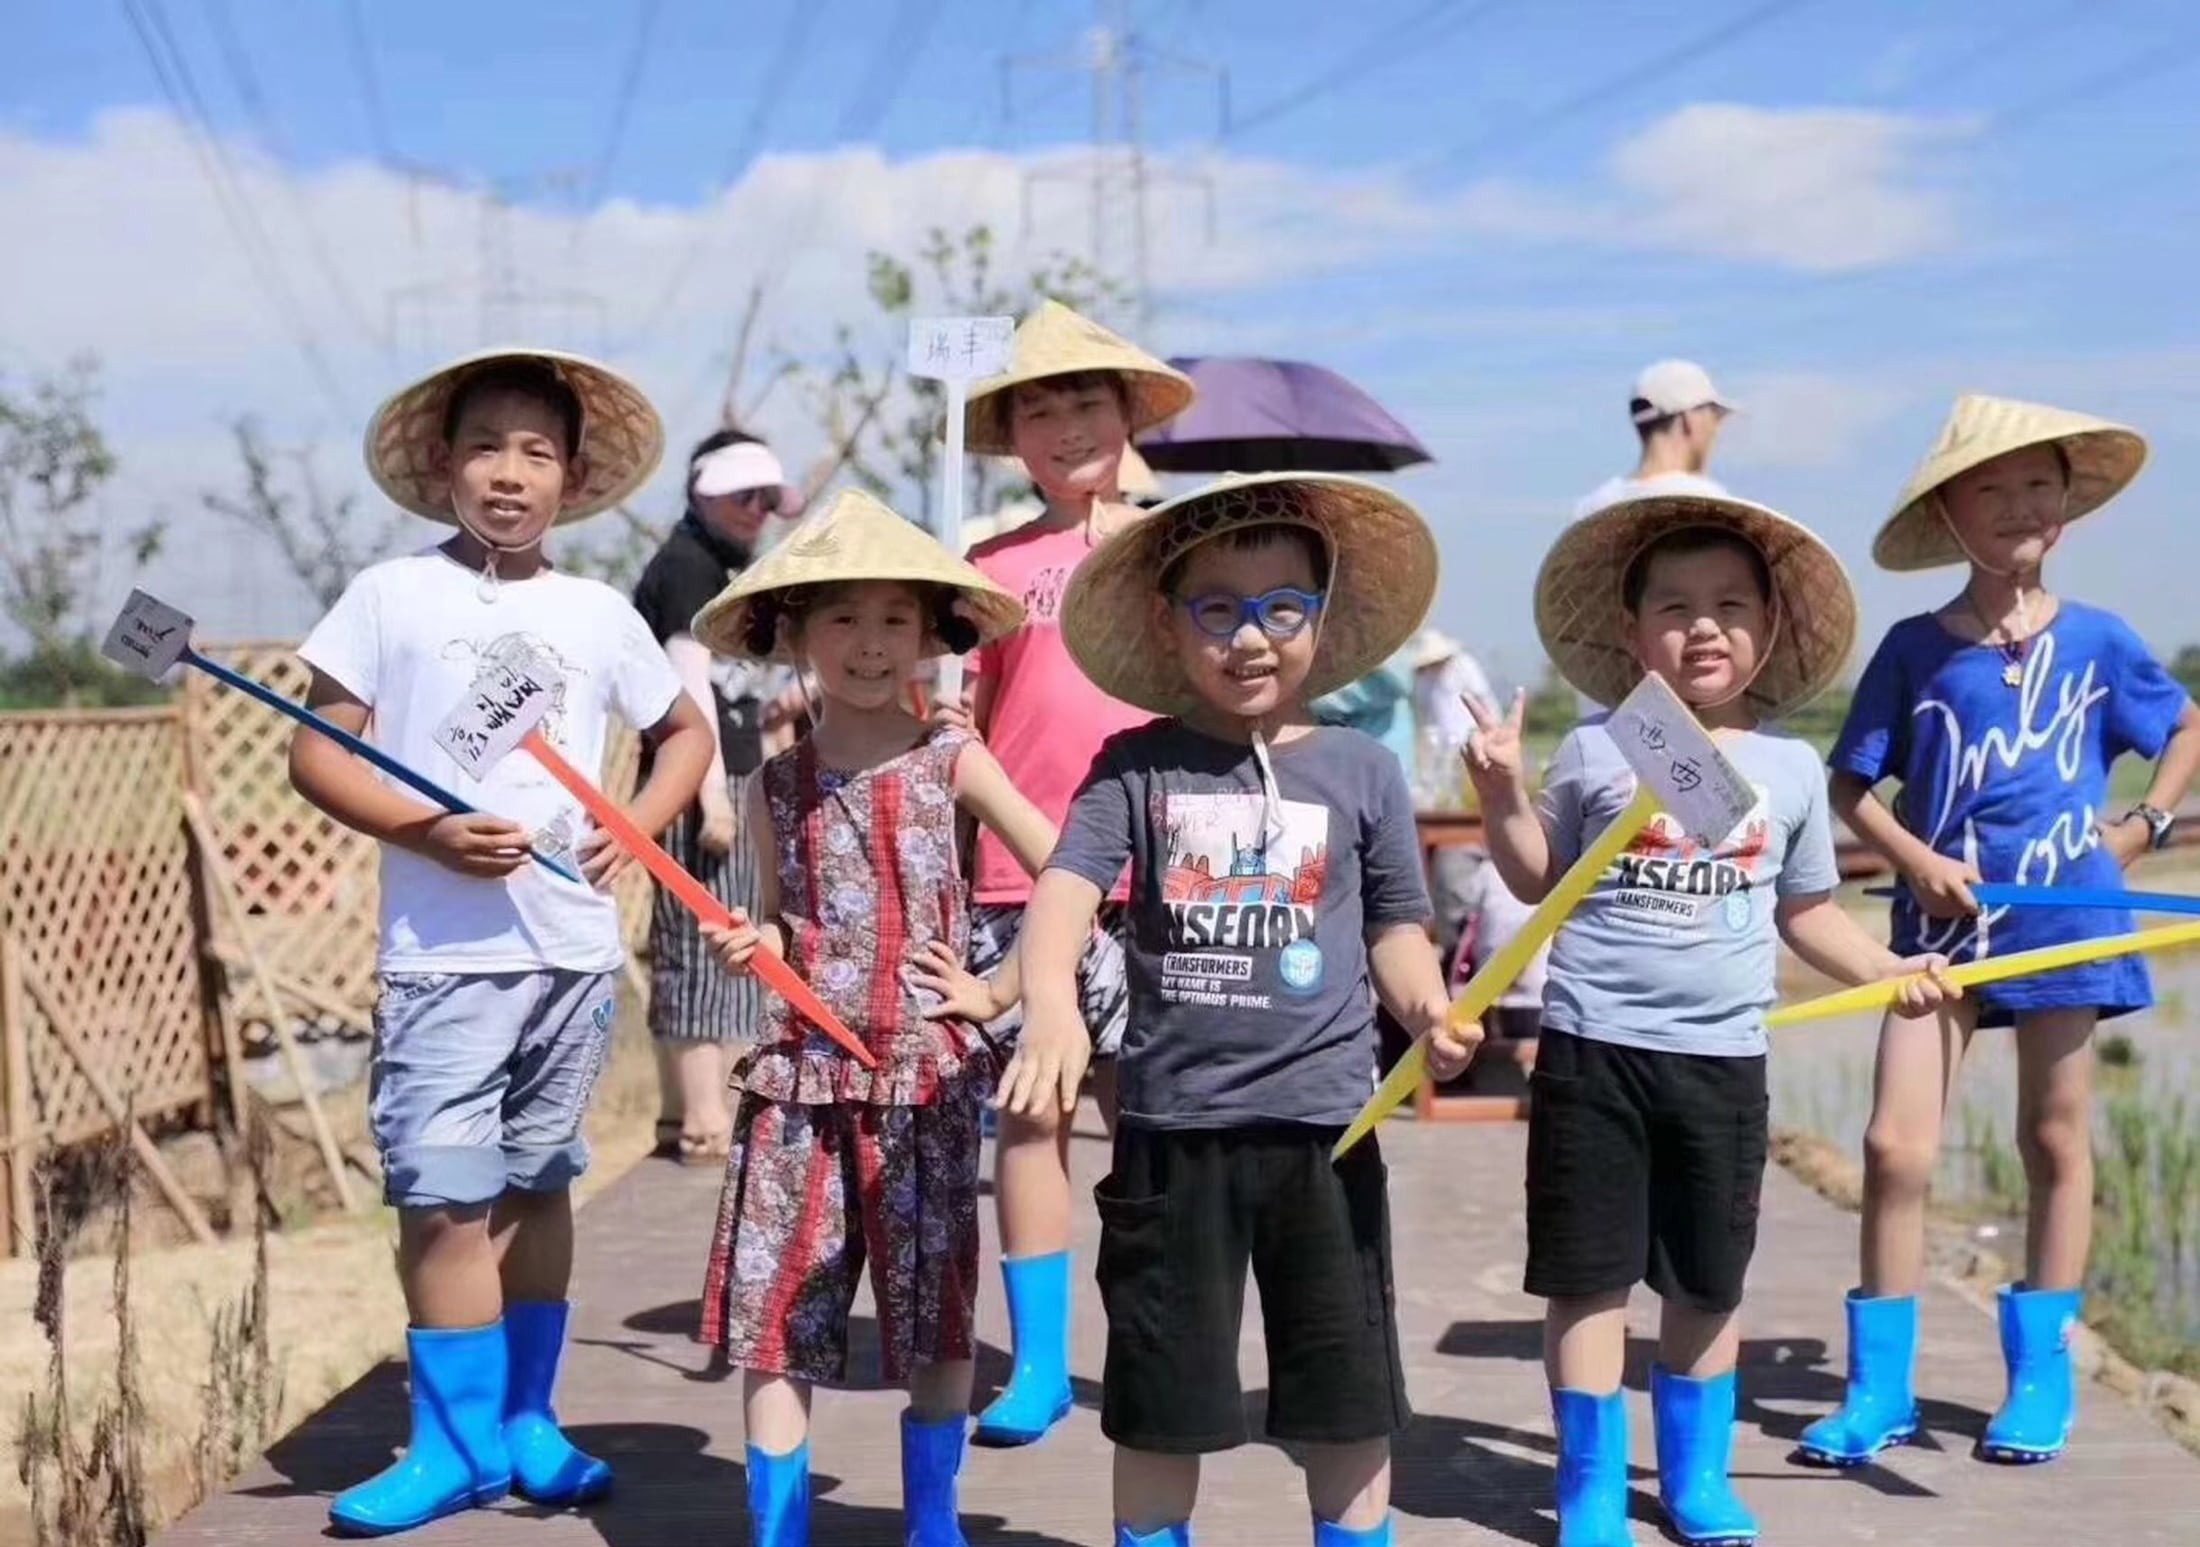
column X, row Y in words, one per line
column 2144, row 1280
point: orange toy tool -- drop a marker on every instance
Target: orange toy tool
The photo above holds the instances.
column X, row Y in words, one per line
column 770, row 970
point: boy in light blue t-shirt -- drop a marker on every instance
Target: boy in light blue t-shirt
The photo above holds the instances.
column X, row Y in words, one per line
column 1648, row 1129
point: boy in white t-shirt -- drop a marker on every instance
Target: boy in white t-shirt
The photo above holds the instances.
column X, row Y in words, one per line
column 498, row 974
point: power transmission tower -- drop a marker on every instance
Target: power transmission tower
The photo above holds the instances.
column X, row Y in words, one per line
column 1119, row 58
column 504, row 306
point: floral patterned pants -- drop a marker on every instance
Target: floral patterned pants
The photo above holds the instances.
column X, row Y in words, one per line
column 812, row 1194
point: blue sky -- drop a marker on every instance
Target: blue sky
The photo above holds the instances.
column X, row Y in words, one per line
column 1488, row 214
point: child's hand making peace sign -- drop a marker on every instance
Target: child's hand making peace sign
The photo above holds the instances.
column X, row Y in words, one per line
column 1495, row 754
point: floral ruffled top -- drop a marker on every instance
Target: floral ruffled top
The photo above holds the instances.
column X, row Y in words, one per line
column 868, row 876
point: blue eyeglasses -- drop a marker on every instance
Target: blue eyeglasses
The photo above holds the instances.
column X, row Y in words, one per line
column 1280, row 614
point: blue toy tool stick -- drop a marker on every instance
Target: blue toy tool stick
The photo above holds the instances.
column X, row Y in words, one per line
column 2000, row 894
column 346, row 739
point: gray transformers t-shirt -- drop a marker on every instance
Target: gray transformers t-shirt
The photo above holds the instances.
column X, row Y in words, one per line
column 1250, row 998
column 1676, row 949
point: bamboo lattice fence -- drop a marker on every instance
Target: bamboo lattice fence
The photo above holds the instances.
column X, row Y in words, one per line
column 123, row 987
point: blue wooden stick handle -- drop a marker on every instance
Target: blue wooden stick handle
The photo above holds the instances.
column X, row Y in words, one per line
column 2000, row 894
column 354, row 744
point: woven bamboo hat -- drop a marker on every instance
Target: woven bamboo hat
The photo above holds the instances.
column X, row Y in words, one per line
column 1382, row 581
column 855, row 537
column 1055, row 341
column 1582, row 617
column 2103, row 459
column 621, row 435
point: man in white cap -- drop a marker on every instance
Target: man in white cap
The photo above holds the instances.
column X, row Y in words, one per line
column 1678, row 414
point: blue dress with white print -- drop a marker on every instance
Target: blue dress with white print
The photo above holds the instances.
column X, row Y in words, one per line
column 2013, row 777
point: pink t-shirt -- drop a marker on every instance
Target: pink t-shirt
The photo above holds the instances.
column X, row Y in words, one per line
column 1048, row 720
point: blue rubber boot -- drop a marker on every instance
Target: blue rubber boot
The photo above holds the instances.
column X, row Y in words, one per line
column 1695, row 1428
column 779, row 1498
column 1037, row 1396
column 2034, row 1421
column 456, row 1459
column 931, row 1457
column 546, row 1467
column 1592, row 1469
column 1327, row 1533
column 1880, row 1409
column 1178, row 1535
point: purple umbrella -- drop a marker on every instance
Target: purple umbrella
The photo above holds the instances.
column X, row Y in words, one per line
column 1274, row 416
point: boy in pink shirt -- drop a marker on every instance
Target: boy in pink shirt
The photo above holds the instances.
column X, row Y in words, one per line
column 1073, row 397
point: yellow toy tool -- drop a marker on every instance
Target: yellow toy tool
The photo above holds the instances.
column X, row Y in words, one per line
column 1877, row 996
column 1678, row 768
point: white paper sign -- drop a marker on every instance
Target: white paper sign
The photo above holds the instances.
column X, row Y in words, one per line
column 1675, row 756
column 149, row 637
column 503, row 705
column 960, row 348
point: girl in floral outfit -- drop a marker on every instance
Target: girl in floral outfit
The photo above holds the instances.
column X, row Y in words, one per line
column 834, row 1164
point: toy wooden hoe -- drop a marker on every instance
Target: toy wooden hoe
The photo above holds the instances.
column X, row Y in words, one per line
column 1679, row 769
column 501, row 714
column 150, row 637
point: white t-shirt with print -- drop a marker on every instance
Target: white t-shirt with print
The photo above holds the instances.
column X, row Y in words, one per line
column 407, row 638
column 1613, row 490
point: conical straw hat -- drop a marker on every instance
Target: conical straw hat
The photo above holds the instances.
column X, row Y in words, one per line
column 855, row 537
column 621, row 435
column 1055, row 341
column 1582, row 617
column 2103, row 458
column 1381, row 584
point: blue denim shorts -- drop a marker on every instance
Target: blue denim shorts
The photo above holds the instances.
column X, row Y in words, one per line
column 480, row 1081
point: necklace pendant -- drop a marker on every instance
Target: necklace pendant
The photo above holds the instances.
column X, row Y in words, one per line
column 2013, row 674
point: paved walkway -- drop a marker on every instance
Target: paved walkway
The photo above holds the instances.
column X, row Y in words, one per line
column 1475, row 1467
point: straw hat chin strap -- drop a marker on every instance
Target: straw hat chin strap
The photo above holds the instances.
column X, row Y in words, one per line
column 1271, row 794
column 2017, row 578
column 1764, row 658
column 491, row 582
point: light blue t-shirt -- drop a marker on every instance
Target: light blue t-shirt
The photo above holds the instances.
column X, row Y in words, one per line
column 1676, row 948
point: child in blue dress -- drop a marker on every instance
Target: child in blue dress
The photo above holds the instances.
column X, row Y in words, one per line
column 2000, row 715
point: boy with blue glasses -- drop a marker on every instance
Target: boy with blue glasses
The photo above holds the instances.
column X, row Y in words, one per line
column 1275, row 877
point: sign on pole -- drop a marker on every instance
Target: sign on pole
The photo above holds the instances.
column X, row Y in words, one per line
column 957, row 351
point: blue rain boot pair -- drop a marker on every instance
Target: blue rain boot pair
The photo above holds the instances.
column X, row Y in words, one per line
column 456, row 1459
column 1037, row 1396
column 1880, row 1409
column 1592, row 1469
column 1178, row 1535
column 546, row 1467
column 2034, row 1422
column 779, row 1498
column 1327, row 1533
column 931, row 1458
column 1695, row 1429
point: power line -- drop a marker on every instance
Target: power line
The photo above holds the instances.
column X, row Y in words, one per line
column 2143, row 65
column 1603, row 91
column 176, row 83
column 866, row 109
column 370, row 84
column 1388, row 47
column 247, row 84
column 794, row 32
column 630, row 81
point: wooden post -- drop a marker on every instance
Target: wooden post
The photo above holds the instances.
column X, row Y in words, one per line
column 118, row 1112
column 21, row 1151
column 210, row 861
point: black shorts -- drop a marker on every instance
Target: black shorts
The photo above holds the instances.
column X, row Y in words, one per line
column 1643, row 1167
column 1181, row 1215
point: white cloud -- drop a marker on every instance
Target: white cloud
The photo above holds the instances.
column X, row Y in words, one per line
column 1816, row 190
column 1808, row 419
column 119, row 247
